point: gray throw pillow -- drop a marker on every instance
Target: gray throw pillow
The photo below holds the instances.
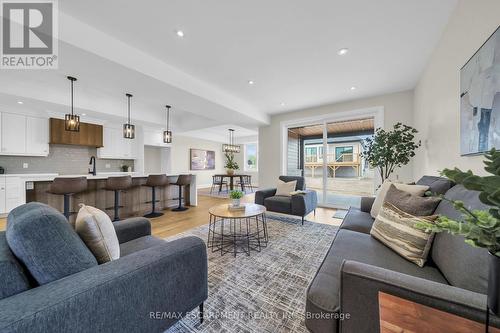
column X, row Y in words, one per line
column 396, row 229
column 45, row 242
column 410, row 203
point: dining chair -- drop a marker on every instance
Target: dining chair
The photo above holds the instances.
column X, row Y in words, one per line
column 246, row 181
column 218, row 181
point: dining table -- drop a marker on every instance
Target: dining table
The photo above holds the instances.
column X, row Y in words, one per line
column 231, row 180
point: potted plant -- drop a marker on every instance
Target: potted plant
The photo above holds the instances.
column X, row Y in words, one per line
column 480, row 228
column 236, row 197
column 230, row 165
column 387, row 150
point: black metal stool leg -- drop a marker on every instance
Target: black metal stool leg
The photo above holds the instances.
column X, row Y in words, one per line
column 117, row 205
column 180, row 208
column 66, row 206
column 153, row 213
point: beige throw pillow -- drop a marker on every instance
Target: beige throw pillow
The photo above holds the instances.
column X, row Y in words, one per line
column 396, row 230
column 284, row 189
column 379, row 200
column 97, row 231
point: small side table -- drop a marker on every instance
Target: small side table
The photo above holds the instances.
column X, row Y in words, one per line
column 237, row 231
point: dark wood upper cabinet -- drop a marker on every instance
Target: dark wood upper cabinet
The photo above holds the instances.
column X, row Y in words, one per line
column 90, row 134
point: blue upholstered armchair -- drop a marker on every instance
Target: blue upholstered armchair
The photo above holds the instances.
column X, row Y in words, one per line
column 298, row 204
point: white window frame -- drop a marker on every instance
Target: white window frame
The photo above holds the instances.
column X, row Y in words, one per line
column 245, row 156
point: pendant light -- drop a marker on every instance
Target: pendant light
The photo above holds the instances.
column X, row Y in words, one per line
column 71, row 120
column 167, row 134
column 128, row 128
column 231, row 147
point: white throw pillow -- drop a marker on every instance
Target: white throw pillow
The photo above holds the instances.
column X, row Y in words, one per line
column 97, row 232
column 379, row 200
column 284, row 189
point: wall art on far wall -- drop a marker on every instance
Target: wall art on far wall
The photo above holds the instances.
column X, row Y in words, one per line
column 202, row 159
column 480, row 99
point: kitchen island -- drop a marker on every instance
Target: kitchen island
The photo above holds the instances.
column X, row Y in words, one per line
column 136, row 201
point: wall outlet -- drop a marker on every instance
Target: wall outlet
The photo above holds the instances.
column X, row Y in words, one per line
column 108, row 165
column 25, row 165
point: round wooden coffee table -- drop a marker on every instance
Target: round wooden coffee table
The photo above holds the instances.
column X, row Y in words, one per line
column 237, row 231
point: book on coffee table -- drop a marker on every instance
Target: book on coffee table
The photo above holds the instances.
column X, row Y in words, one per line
column 236, row 208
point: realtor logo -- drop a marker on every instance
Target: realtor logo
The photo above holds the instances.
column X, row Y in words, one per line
column 29, row 34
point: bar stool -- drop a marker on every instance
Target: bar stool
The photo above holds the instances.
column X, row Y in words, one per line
column 182, row 180
column 154, row 181
column 117, row 184
column 67, row 187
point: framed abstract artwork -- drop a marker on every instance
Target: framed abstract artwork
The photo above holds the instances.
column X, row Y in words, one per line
column 480, row 99
column 202, row 159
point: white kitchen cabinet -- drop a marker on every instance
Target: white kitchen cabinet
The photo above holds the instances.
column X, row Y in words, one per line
column 14, row 187
column 22, row 135
column 2, row 195
column 116, row 146
column 154, row 138
column 13, row 134
column 37, row 136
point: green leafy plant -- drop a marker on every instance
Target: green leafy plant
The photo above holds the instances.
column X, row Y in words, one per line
column 236, row 194
column 480, row 228
column 230, row 163
column 387, row 150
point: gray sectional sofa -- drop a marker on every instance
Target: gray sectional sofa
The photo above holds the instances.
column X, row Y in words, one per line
column 63, row 289
column 358, row 266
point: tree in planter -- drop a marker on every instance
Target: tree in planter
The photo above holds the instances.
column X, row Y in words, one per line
column 480, row 228
column 390, row 149
column 230, row 165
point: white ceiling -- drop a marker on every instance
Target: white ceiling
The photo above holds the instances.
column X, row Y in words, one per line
column 288, row 47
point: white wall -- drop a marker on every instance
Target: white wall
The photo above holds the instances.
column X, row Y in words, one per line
column 398, row 107
column 180, row 158
column 437, row 103
column 152, row 159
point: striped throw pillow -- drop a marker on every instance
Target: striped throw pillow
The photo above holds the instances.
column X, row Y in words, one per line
column 395, row 229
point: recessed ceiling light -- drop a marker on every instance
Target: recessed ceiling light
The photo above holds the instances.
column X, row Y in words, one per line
column 353, row 88
column 84, row 114
column 179, row 33
column 19, row 102
column 282, row 104
column 251, row 82
column 342, row 51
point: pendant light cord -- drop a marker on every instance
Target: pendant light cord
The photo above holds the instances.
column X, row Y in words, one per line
column 168, row 117
column 72, row 98
column 128, row 109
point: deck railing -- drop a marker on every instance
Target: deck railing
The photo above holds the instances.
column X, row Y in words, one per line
column 343, row 158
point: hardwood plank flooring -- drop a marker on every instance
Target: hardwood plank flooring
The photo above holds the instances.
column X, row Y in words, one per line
column 173, row 223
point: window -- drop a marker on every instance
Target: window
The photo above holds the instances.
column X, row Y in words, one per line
column 251, row 153
column 344, row 154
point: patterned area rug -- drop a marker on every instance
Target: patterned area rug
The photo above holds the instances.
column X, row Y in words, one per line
column 264, row 292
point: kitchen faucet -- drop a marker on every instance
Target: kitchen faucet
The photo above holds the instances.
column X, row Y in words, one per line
column 92, row 169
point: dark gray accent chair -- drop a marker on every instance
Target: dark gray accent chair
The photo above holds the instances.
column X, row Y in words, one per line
column 298, row 205
column 358, row 266
column 144, row 291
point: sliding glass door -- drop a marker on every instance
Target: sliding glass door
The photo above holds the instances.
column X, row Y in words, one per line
column 328, row 155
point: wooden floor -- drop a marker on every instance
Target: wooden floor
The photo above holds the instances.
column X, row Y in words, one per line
column 177, row 222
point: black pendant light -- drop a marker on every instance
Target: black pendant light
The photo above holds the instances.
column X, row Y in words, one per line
column 231, row 147
column 128, row 128
column 71, row 120
column 167, row 134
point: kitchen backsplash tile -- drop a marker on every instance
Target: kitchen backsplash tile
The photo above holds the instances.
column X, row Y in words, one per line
column 63, row 159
